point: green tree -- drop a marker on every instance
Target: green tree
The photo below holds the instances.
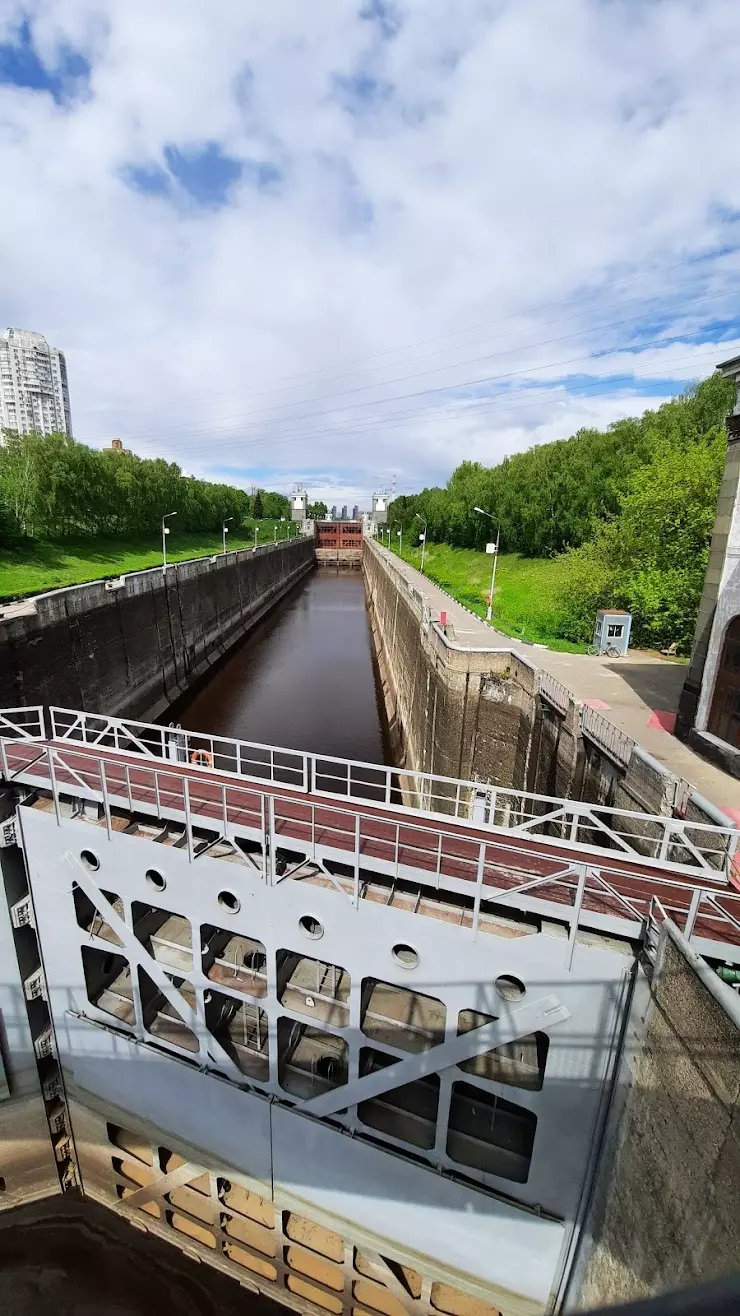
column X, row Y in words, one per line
column 317, row 511
column 257, row 507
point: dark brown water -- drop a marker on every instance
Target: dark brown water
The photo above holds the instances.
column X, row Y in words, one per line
column 304, row 678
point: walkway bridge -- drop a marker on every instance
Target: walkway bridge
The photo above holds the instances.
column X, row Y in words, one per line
column 279, row 811
column 345, row 1032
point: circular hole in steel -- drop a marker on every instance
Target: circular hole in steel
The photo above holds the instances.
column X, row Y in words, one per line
column 227, row 900
column 311, row 926
column 405, row 955
column 510, row 988
column 90, row 860
column 155, row 879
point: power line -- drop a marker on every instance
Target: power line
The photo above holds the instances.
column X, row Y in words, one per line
column 693, row 261
column 267, row 439
column 260, row 411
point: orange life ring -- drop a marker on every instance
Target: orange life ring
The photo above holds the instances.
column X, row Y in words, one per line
column 202, row 758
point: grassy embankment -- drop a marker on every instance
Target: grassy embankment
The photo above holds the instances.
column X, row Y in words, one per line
column 32, row 566
column 525, row 602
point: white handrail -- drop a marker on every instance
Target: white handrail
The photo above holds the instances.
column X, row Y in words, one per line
column 446, row 796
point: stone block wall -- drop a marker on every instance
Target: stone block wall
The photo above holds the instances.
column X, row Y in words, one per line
column 454, row 711
column 130, row 647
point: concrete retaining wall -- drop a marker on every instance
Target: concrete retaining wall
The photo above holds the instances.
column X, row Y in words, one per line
column 490, row 714
column 130, row 647
column 666, row 1213
column 452, row 710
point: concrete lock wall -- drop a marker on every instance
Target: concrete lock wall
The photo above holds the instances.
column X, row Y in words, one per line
column 454, row 711
column 666, row 1213
column 490, row 714
column 129, row 647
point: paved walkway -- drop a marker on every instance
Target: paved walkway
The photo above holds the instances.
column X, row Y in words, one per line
column 629, row 691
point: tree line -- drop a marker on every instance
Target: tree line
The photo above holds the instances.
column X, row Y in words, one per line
column 632, row 507
column 53, row 487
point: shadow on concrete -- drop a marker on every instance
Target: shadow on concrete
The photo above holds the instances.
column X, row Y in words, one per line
column 659, row 685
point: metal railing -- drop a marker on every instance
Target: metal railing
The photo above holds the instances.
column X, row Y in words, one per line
column 554, row 691
column 496, row 868
column 608, row 736
column 682, row 845
column 23, row 723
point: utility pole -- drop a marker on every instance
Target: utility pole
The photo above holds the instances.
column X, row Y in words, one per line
column 483, row 512
column 423, row 539
column 165, row 532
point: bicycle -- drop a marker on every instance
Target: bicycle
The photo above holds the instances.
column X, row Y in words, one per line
column 609, row 651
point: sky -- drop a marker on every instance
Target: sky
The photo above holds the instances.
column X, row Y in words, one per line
column 351, row 243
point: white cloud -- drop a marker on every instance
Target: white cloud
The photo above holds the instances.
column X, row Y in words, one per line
column 488, row 159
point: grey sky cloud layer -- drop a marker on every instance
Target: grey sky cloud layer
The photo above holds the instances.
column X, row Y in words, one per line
column 341, row 241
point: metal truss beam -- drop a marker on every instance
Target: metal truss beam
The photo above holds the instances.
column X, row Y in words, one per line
column 542, row 1013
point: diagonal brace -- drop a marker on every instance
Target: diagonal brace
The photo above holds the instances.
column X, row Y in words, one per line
column 182, row 1175
column 542, row 1013
column 140, row 956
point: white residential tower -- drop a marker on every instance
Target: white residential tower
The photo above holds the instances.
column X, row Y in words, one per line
column 34, row 395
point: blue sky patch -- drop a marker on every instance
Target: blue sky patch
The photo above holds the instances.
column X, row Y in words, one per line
column 205, row 172
column 385, row 15
column 361, row 93
column 150, row 180
column 20, row 66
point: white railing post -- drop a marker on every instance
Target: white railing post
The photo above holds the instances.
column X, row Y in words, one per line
column 357, row 862
column 576, row 914
column 188, row 819
column 273, row 839
column 263, row 823
column 388, row 777
column 54, row 788
column 157, row 798
column 696, row 899
column 128, row 788
column 478, row 887
column 225, row 812
column 106, row 799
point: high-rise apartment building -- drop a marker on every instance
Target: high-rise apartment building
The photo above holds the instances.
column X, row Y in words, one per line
column 34, row 395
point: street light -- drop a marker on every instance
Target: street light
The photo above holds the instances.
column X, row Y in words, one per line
column 423, row 538
column 400, row 541
column 224, row 531
column 483, row 512
column 165, row 532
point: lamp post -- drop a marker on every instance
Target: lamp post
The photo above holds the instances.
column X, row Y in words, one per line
column 165, row 532
column 256, row 532
column 400, row 541
column 224, row 531
column 483, row 512
column 423, row 539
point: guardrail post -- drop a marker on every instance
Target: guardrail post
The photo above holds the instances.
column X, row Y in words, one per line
column 478, row 887
column 263, row 824
column 188, row 819
column 696, row 899
column 54, row 788
column 106, row 799
column 357, row 862
column 575, row 916
column 272, row 848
